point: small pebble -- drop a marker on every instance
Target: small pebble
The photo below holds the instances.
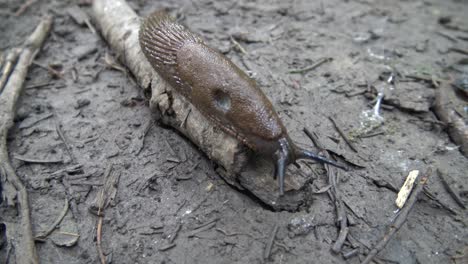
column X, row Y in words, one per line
column 80, row 103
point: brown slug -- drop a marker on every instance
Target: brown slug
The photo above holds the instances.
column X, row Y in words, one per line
column 220, row 90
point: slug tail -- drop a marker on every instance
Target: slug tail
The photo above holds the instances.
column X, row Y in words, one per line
column 161, row 37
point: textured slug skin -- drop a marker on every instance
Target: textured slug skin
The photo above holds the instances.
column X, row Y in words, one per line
column 220, row 90
column 211, row 82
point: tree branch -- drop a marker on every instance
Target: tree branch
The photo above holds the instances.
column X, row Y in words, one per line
column 23, row 240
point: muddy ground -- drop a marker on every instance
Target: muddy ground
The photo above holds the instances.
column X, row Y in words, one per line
column 166, row 187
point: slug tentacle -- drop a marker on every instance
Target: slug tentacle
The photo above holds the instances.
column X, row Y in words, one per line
column 305, row 154
column 289, row 153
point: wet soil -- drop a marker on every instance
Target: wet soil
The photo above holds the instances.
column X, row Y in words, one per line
column 167, row 189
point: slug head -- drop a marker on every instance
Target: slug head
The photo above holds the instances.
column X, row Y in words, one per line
column 287, row 153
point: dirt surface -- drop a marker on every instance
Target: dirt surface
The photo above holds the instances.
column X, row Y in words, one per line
column 166, row 189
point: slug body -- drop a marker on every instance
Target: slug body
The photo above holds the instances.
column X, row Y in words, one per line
column 220, row 90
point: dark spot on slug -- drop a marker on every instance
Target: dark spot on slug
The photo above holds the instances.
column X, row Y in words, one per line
column 127, row 34
column 223, row 100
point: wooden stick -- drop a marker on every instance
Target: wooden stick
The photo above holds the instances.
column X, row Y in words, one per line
column 449, row 189
column 343, row 135
column 313, row 66
column 400, row 220
column 269, row 245
column 25, row 250
column 334, row 194
column 10, row 61
column 24, row 7
column 45, row 234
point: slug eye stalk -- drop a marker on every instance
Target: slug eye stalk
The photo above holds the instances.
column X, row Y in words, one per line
column 289, row 153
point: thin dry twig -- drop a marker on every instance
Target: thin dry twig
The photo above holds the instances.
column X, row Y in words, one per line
column 24, row 7
column 449, row 189
column 342, row 134
column 447, row 36
column 10, row 61
column 104, row 198
column 52, row 71
column 204, row 227
column 175, row 233
column 25, row 250
column 400, row 219
column 313, row 66
column 334, row 195
column 271, row 240
column 101, row 205
column 430, row 195
column 430, row 79
column 45, row 234
column 459, row 50
column 238, row 45
column 102, row 257
column 31, row 160
column 143, row 136
column 58, row 129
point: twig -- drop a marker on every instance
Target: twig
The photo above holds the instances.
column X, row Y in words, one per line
column 24, row 6
column 372, row 134
column 431, row 79
column 25, row 250
column 39, row 85
column 143, row 136
column 102, row 257
column 224, row 232
column 351, row 253
column 400, row 219
column 175, row 233
column 344, row 230
column 45, row 234
column 29, row 160
column 51, row 70
column 23, row 126
column 459, row 50
column 434, row 198
column 343, row 135
column 334, row 195
column 406, row 189
column 10, row 61
column 62, row 137
column 73, row 168
column 340, row 212
column 205, row 224
column 87, row 183
column 449, row 189
column 238, row 45
column 313, row 66
column 352, row 94
column 167, row 247
column 269, row 245
column 101, row 204
column 205, row 227
column 447, row 36
column 68, row 233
